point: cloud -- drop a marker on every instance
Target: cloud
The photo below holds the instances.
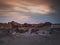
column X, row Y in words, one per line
column 15, row 16
column 4, row 6
column 55, row 4
column 29, row 10
column 33, row 6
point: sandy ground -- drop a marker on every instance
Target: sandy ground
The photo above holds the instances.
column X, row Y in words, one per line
column 30, row 39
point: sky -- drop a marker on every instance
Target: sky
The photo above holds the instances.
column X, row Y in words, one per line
column 30, row 11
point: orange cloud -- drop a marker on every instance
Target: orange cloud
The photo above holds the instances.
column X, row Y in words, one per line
column 33, row 6
column 15, row 15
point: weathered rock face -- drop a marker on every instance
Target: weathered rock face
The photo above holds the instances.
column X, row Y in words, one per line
column 23, row 28
column 34, row 30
